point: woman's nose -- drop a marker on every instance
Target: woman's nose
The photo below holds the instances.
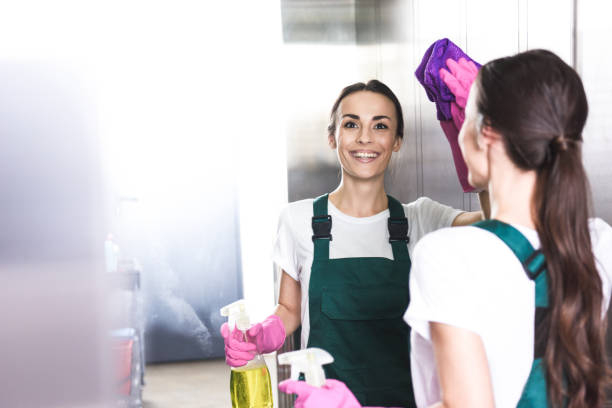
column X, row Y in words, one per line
column 364, row 136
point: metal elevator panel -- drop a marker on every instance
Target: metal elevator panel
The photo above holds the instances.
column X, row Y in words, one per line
column 593, row 33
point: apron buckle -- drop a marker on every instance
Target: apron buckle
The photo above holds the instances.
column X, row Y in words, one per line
column 398, row 229
column 321, row 226
column 535, row 264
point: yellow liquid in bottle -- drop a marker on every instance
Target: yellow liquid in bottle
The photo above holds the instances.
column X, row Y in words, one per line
column 251, row 387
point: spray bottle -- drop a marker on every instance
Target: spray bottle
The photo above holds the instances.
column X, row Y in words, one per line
column 250, row 385
column 309, row 362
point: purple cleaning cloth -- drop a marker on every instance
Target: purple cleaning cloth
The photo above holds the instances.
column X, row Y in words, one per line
column 428, row 74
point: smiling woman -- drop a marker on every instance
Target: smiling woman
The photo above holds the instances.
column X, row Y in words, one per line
column 369, row 127
column 346, row 255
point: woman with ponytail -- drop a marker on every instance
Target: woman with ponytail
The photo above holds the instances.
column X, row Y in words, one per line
column 523, row 324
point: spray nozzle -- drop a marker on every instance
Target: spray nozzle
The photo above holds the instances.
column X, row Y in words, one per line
column 308, row 361
column 237, row 315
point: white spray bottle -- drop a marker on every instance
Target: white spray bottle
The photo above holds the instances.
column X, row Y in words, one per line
column 250, row 385
column 309, row 361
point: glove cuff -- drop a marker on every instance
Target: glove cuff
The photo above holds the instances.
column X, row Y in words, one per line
column 275, row 332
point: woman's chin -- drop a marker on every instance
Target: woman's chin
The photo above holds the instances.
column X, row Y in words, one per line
column 358, row 175
column 479, row 183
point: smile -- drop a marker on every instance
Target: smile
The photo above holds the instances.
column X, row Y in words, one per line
column 365, row 156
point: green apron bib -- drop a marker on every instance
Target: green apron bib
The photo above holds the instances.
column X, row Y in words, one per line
column 356, row 313
column 534, row 394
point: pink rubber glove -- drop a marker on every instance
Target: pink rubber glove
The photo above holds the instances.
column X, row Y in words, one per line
column 268, row 335
column 237, row 351
column 459, row 81
column 334, row 394
column 460, row 78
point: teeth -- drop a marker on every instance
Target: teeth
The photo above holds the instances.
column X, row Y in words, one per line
column 365, row 155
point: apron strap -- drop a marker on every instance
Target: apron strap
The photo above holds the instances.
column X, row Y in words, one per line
column 322, row 225
column 533, row 261
column 534, row 264
column 398, row 230
column 321, row 228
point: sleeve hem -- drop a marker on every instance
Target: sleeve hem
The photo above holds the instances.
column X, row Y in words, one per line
column 287, row 267
column 285, row 254
column 421, row 324
column 452, row 215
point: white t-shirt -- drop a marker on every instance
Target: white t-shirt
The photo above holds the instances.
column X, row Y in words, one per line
column 480, row 285
column 352, row 237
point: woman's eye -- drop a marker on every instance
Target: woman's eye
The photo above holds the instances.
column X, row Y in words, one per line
column 381, row 126
column 350, row 125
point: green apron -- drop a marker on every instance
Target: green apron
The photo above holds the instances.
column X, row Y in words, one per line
column 534, row 394
column 356, row 313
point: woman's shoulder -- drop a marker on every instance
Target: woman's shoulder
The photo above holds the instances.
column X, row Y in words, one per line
column 454, row 239
column 455, row 246
column 425, row 206
column 419, row 203
column 600, row 231
column 299, row 207
column 452, row 259
column 296, row 214
column 462, row 258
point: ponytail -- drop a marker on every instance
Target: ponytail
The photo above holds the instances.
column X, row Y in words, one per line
column 575, row 351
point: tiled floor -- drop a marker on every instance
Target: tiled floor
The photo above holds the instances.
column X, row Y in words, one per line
column 200, row 384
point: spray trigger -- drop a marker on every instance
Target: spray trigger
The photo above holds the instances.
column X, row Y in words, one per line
column 237, row 315
column 308, row 361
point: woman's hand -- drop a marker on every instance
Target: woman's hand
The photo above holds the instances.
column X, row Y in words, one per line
column 459, row 81
column 264, row 337
column 333, row 394
column 238, row 352
column 460, row 78
column 268, row 335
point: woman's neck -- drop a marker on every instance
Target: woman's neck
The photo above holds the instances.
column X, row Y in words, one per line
column 511, row 191
column 360, row 198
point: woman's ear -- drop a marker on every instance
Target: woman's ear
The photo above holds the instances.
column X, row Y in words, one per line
column 331, row 139
column 397, row 144
column 489, row 136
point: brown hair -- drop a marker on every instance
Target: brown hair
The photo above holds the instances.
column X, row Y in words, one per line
column 537, row 102
column 375, row 86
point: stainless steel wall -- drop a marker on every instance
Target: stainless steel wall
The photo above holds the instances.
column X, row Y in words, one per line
column 593, row 63
column 330, row 44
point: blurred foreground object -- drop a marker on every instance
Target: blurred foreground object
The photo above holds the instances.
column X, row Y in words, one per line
column 53, row 215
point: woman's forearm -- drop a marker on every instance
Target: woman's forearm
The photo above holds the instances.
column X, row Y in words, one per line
column 289, row 307
column 290, row 317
